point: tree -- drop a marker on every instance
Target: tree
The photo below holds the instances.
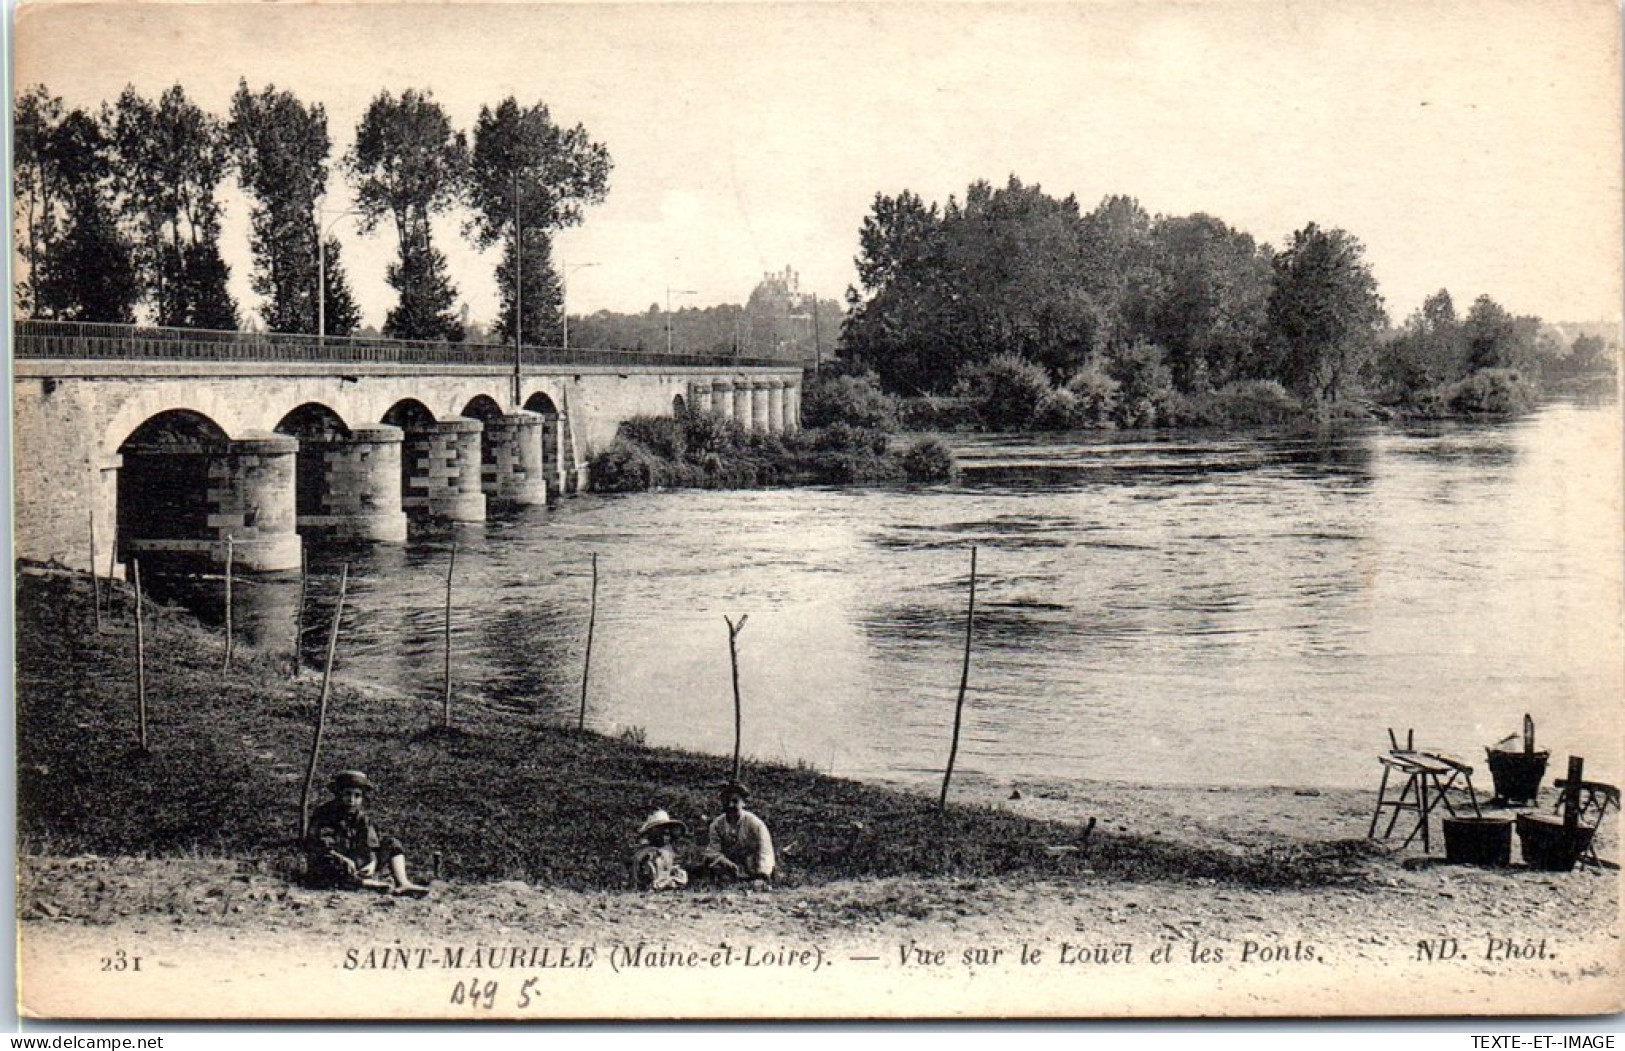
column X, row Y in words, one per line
column 35, row 188
column 281, row 148
column 1116, row 261
column 342, row 315
column 1425, row 354
column 1207, row 306
column 86, row 272
column 170, row 158
column 528, row 174
column 1324, row 313
column 408, row 164
column 1490, row 335
column 891, row 325
column 945, row 290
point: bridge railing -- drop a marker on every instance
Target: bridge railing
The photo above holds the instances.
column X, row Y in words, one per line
column 78, row 340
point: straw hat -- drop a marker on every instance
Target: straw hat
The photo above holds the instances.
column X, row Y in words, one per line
column 661, row 819
column 347, row 779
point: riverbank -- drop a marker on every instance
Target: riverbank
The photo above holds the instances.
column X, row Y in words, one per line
column 185, row 853
column 497, row 795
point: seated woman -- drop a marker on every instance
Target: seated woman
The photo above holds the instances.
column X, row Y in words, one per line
column 654, row 866
column 343, row 848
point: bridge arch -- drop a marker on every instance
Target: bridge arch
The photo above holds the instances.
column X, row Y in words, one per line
column 482, row 407
column 317, row 427
column 187, row 491
column 163, row 480
column 541, row 404
column 408, row 414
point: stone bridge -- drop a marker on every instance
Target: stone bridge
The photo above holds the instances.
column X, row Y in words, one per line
column 176, row 443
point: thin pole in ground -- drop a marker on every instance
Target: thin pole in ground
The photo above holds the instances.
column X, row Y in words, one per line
column 586, row 664
column 451, row 567
column 140, row 659
column 299, row 614
column 230, row 553
column 733, row 660
column 95, row 578
column 964, row 678
column 321, row 706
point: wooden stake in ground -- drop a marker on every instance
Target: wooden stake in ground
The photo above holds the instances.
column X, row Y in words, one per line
column 733, row 659
column 230, row 554
column 964, row 677
column 112, row 568
column 140, row 659
column 586, row 664
column 299, row 615
column 95, row 578
column 321, row 706
column 451, row 567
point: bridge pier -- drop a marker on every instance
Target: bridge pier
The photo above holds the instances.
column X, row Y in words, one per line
column 775, row 406
column 760, row 414
column 743, row 406
column 699, row 396
column 441, row 468
column 351, row 487
column 722, row 398
column 512, row 459
column 180, row 502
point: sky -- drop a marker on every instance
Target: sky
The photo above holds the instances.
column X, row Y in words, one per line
column 1473, row 146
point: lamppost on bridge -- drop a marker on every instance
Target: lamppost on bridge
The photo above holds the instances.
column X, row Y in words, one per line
column 670, row 291
column 321, row 271
column 565, row 270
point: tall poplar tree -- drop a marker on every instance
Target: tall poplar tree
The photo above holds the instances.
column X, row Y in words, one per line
column 409, row 165
column 528, row 179
column 170, row 157
column 281, row 148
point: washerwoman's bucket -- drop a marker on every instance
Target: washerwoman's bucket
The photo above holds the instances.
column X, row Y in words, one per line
column 1478, row 841
column 1517, row 775
column 1549, row 845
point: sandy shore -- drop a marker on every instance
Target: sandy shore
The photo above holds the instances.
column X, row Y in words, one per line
column 1400, row 933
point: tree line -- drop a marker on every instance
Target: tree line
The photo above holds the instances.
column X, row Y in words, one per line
column 119, row 208
column 1023, row 295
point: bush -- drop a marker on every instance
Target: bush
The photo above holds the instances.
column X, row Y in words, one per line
column 625, row 467
column 1144, row 384
column 1244, row 403
column 930, row 460
column 842, row 437
column 1491, row 392
column 1007, row 391
column 1095, row 396
column 665, row 436
column 935, row 412
column 1056, row 411
column 707, row 436
column 855, row 400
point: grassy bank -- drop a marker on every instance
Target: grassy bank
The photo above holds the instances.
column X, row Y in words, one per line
column 500, row 795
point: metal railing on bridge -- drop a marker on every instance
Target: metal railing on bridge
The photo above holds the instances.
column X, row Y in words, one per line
column 77, row 340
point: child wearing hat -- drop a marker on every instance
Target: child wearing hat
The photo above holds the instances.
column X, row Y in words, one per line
column 344, row 848
column 654, row 866
column 738, row 846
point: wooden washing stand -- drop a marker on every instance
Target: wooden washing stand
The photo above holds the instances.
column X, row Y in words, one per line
column 1425, row 780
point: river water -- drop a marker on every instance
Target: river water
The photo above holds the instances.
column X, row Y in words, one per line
column 1169, row 609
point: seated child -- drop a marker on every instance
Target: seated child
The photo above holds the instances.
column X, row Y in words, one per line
column 654, row 866
column 343, row 848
